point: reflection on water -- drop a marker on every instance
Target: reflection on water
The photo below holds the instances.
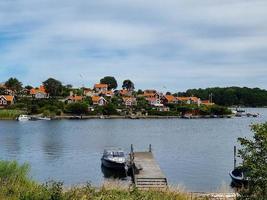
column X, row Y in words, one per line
column 111, row 173
column 195, row 153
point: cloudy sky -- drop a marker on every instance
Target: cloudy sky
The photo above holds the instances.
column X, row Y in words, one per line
column 164, row 44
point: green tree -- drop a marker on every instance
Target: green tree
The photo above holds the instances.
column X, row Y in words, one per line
column 254, row 155
column 53, row 87
column 110, row 81
column 28, row 87
column 77, row 108
column 13, row 84
column 128, row 85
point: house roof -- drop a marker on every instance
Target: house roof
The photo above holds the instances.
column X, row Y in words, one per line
column 8, row 97
column 41, row 89
column 195, row 99
column 170, row 98
column 128, row 98
column 75, row 98
column 151, row 99
column 97, row 98
column 108, row 92
column 100, row 85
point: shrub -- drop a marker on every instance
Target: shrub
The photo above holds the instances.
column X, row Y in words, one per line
column 77, row 108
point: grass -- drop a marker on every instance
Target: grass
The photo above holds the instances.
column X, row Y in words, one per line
column 9, row 114
column 15, row 184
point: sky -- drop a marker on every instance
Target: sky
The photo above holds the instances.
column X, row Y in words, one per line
column 169, row 45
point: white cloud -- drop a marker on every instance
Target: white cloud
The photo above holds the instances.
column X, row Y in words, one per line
column 151, row 42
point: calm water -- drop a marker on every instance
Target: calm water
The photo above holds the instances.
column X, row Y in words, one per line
column 197, row 154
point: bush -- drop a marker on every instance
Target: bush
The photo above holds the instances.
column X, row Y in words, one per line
column 77, row 108
column 254, row 155
column 10, row 114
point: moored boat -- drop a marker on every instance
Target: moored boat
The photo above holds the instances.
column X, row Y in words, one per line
column 23, row 118
column 238, row 176
column 114, row 158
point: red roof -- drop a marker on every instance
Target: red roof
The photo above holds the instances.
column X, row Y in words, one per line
column 8, row 97
column 100, row 85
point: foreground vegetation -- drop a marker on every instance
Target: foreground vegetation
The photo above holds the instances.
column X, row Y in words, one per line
column 254, row 156
column 10, row 114
column 16, row 185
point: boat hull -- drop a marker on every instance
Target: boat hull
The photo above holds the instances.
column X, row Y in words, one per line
column 237, row 177
column 113, row 165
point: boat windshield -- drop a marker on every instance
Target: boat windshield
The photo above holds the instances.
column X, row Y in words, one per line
column 118, row 154
column 114, row 153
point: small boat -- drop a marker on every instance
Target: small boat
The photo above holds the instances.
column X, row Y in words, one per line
column 114, row 158
column 238, row 176
column 43, row 118
column 23, row 118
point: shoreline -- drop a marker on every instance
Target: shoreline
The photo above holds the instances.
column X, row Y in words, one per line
column 84, row 117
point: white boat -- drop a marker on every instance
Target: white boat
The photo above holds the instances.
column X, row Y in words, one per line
column 114, row 158
column 43, row 118
column 23, row 118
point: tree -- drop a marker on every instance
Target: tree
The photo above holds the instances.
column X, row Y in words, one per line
column 53, row 87
column 77, row 108
column 168, row 93
column 254, row 155
column 28, row 87
column 110, row 81
column 128, row 84
column 13, row 84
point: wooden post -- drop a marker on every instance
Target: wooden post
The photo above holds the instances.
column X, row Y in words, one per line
column 150, row 148
column 132, row 154
column 234, row 157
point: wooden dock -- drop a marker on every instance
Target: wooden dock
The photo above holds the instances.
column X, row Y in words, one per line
column 146, row 172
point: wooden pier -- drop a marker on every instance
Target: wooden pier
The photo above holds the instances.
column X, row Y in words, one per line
column 146, row 172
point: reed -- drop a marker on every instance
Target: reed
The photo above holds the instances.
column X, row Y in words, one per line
column 9, row 114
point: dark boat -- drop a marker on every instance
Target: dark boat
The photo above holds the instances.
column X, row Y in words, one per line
column 114, row 158
column 113, row 173
column 238, row 176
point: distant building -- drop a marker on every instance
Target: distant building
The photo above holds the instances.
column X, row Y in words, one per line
column 99, row 87
column 6, row 100
column 129, row 101
column 39, row 93
column 98, row 100
column 74, row 99
column 206, row 103
column 189, row 100
column 153, row 101
column 88, row 92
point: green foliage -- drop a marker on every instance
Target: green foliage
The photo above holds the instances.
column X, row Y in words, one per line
column 77, row 108
column 53, row 87
column 9, row 114
column 142, row 104
column 16, row 184
column 88, row 100
column 109, row 109
column 110, row 81
column 13, row 84
column 254, row 155
column 160, row 113
column 230, row 96
column 128, row 84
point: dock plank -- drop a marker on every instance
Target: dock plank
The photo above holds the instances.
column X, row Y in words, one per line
column 151, row 175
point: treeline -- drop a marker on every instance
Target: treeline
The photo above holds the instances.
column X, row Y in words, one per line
column 231, row 96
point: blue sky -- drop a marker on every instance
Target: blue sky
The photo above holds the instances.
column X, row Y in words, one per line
column 168, row 45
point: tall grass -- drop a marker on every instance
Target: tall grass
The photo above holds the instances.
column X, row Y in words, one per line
column 9, row 114
column 15, row 184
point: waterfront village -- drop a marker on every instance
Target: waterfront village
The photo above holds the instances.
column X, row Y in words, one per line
column 52, row 99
